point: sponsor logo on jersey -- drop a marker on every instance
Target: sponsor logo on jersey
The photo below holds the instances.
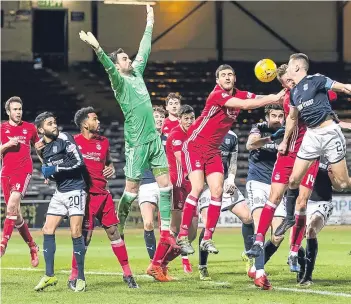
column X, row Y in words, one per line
column 25, row 131
column 305, row 104
column 176, row 142
column 277, row 176
column 305, row 87
column 98, row 146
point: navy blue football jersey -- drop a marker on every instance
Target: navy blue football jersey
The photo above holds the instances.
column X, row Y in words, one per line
column 310, row 97
column 261, row 161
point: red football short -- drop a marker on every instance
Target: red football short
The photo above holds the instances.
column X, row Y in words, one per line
column 101, row 207
column 283, row 169
column 17, row 182
column 195, row 157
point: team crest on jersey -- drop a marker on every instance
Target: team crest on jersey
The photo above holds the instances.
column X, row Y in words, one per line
column 25, row 131
column 7, row 131
column 227, row 141
column 277, row 176
column 54, row 149
column 305, row 87
column 198, row 164
column 176, row 142
column 98, row 146
column 224, row 95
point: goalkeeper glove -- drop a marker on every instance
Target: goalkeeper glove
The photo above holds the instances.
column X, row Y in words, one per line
column 278, row 134
column 48, row 171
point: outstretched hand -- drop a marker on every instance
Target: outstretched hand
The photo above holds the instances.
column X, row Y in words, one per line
column 150, row 13
column 89, row 38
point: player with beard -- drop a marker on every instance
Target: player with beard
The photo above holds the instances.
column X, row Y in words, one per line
column 62, row 163
column 201, row 156
column 17, row 136
column 95, row 151
column 173, row 103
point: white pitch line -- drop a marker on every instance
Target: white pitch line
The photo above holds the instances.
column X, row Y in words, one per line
column 86, row 272
column 320, row 292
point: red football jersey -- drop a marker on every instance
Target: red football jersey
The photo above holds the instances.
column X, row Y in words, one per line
column 18, row 158
column 215, row 121
column 174, row 144
column 95, row 152
column 168, row 126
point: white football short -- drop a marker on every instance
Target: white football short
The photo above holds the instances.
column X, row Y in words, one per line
column 258, row 195
column 228, row 201
column 68, row 203
column 323, row 208
column 328, row 142
column 149, row 193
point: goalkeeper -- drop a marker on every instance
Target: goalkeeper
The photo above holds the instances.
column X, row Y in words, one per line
column 143, row 147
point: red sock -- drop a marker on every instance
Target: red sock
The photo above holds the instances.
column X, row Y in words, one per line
column 74, row 269
column 188, row 213
column 25, row 234
column 265, row 220
column 120, row 251
column 9, row 225
column 213, row 212
column 160, row 253
column 298, row 231
column 171, row 254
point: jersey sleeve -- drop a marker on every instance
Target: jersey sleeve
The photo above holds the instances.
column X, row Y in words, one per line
column 144, row 50
column 250, row 95
column 292, row 104
column 176, row 142
column 73, row 158
column 115, row 78
column 322, row 82
column 332, row 96
column 35, row 137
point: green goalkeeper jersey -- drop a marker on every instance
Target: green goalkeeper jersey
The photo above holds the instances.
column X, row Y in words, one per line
column 131, row 94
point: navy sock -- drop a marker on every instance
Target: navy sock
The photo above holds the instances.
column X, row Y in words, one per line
column 247, row 231
column 269, row 250
column 49, row 248
column 203, row 255
column 79, row 253
column 259, row 261
column 150, row 242
column 291, row 196
column 311, row 255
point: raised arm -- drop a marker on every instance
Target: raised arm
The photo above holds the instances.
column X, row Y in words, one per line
column 290, row 125
column 341, row 87
column 142, row 57
column 248, row 104
column 115, row 78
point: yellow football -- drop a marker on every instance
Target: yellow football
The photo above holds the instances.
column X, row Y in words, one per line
column 265, row 70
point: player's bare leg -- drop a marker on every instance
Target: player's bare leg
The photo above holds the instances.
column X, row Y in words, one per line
column 147, row 210
column 129, row 195
column 166, row 239
column 265, row 220
column 215, row 183
column 197, row 181
column 298, row 230
column 341, row 174
column 49, row 249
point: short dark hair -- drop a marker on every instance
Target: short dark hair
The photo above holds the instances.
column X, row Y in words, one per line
column 271, row 107
column 281, row 71
column 184, row 110
column 113, row 55
column 81, row 115
column 173, row 96
column 223, row 67
column 41, row 118
column 303, row 57
column 159, row 109
column 11, row 100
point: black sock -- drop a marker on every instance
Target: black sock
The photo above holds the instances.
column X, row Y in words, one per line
column 49, row 248
column 259, row 261
column 203, row 255
column 150, row 242
column 291, row 196
column 247, row 231
column 301, row 259
column 311, row 255
column 269, row 250
column 79, row 253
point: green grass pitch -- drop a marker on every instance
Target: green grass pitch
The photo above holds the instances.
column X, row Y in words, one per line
column 332, row 275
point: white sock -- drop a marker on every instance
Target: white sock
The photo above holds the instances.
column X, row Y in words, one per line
column 253, row 268
column 293, row 253
column 259, row 273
